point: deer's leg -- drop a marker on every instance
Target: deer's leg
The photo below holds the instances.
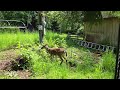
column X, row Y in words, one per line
column 65, row 58
column 61, row 60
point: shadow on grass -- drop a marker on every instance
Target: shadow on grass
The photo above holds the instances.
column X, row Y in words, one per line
column 70, row 43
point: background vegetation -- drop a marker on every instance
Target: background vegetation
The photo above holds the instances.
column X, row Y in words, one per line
column 89, row 66
column 41, row 65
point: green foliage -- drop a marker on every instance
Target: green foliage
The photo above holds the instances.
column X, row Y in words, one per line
column 10, row 40
column 19, row 15
column 54, row 16
column 87, row 61
column 108, row 61
column 72, row 20
column 1, row 15
column 92, row 16
column 41, row 65
column 68, row 20
column 9, row 30
column 111, row 13
column 55, row 39
column 25, row 16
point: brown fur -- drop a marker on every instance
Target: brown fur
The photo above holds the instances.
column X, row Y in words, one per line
column 60, row 52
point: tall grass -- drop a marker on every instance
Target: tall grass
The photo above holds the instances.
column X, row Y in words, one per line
column 42, row 67
column 8, row 40
column 54, row 39
column 108, row 61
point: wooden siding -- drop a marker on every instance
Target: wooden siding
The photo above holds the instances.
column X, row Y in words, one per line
column 105, row 33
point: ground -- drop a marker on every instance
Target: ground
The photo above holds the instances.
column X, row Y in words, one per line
column 8, row 54
column 5, row 63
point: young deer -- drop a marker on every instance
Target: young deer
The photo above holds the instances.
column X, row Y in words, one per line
column 60, row 52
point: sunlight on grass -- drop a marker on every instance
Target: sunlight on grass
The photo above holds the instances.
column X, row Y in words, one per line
column 43, row 67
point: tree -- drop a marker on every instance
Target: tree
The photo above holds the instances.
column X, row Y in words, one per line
column 72, row 20
column 55, row 26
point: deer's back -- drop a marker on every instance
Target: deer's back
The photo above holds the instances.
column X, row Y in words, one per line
column 56, row 51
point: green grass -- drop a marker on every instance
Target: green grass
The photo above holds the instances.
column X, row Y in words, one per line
column 42, row 67
column 7, row 40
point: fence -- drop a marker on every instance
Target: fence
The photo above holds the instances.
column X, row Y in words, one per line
column 10, row 24
column 79, row 41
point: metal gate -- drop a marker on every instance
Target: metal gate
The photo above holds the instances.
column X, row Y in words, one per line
column 11, row 24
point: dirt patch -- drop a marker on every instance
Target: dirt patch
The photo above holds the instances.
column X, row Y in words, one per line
column 21, row 74
column 6, row 65
column 8, row 54
column 11, row 61
column 24, row 74
column 10, row 67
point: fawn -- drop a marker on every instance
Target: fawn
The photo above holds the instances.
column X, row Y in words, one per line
column 60, row 52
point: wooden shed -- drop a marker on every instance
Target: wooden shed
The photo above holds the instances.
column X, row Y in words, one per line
column 105, row 32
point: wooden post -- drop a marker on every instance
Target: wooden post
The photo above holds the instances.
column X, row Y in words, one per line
column 40, row 26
